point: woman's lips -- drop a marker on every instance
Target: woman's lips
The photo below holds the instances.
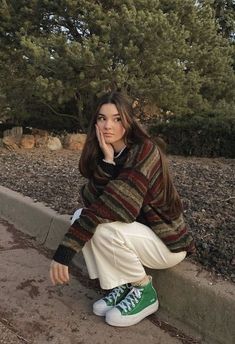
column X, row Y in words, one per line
column 107, row 134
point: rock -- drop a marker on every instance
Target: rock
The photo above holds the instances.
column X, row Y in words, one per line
column 40, row 141
column 54, row 143
column 16, row 132
column 74, row 141
column 27, row 141
column 9, row 142
column 39, row 132
column 41, row 137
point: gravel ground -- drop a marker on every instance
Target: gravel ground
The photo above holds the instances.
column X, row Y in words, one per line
column 206, row 186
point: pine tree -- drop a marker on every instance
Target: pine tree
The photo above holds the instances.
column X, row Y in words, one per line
column 58, row 57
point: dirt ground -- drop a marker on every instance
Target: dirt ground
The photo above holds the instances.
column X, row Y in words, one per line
column 206, row 186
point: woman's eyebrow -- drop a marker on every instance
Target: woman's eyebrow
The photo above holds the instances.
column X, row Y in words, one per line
column 116, row 114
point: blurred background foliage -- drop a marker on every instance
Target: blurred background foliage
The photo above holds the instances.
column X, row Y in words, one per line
column 176, row 59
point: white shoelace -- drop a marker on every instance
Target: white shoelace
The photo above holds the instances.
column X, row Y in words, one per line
column 115, row 293
column 131, row 299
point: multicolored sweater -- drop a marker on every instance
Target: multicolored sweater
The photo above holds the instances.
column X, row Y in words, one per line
column 131, row 191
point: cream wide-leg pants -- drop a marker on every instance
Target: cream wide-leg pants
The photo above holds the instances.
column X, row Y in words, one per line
column 118, row 252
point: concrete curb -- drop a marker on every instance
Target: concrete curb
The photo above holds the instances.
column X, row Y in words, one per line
column 187, row 292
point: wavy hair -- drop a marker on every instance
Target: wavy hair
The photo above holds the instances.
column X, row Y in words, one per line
column 133, row 132
column 92, row 153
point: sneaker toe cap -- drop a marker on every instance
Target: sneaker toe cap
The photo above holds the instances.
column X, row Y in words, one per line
column 113, row 317
column 100, row 308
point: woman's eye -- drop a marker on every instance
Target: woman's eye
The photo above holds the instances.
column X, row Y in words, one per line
column 100, row 118
column 118, row 119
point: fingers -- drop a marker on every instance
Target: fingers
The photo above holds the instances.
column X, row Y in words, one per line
column 100, row 137
column 59, row 273
column 98, row 134
column 63, row 273
column 106, row 148
column 52, row 276
column 102, row 140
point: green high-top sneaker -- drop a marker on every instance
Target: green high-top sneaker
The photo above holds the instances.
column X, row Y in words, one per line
column 138, row 304
column 116, row 295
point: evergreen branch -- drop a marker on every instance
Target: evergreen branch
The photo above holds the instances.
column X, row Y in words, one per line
column 57, row 113
column 73, row 31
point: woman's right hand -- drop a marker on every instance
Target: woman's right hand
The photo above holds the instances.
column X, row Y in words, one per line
column 59, row 273
column 106, row 148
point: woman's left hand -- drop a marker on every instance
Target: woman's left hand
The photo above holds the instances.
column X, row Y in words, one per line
column 59, row 273
column 106, row 148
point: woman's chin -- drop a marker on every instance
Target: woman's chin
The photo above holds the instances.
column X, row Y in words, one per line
column 109, row 140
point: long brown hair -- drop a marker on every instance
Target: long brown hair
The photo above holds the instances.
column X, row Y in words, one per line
column 91, row 152
column 133, row 132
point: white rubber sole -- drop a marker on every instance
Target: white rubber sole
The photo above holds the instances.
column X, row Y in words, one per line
column 129, row 320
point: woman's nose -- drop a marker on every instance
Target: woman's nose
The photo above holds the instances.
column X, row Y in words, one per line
column 108, row 124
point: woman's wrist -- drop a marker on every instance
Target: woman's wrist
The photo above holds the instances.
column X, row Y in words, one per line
column 63, row 255
column 109, row 161
column 109, row 158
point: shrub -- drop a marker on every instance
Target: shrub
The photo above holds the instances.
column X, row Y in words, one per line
column 206, row 136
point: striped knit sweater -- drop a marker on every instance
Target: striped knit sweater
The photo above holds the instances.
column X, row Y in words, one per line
column 136, row 193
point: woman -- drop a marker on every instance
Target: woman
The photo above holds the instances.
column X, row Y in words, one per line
column 132, row 215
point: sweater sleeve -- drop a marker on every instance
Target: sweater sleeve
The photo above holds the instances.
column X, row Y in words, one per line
column 90, row 191
column 121, row 200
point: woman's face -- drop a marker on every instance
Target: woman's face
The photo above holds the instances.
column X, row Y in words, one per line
column 110, row 124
